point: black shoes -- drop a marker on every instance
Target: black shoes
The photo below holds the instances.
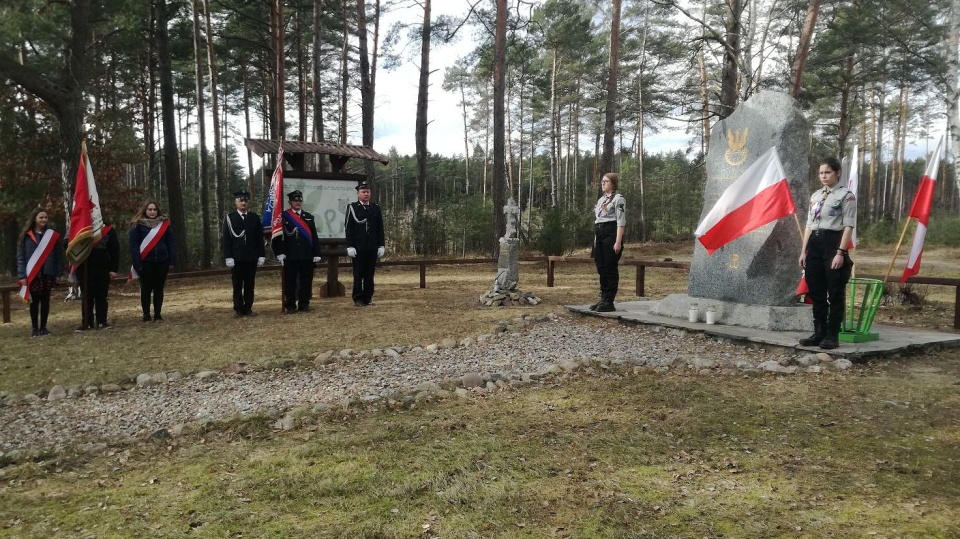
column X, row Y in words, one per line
column 360, row 303
column 35, row 333
column 829, row 343
column 42, row 332
column 157, row 318
column 146, row 318
column 290, row 310
column 304, row 309
column 813, row 340
column 605, row 307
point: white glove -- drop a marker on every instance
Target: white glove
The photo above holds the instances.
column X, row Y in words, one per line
column 351, row 252
column 260, row 261
column 316, row 260
column 230, row 263
column 380, row 251
column 281, row 258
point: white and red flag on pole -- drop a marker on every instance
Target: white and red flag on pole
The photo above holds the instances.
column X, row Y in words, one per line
column 920, row 210
column 86, row 220
column 272, row 219
column 760, row 196
column 853, row 183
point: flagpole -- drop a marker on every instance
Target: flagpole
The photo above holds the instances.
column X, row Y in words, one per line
column 897, row 251
column 283, row 273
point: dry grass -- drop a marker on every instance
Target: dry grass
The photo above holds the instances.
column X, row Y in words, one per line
column 607, row 455
column 873, row 453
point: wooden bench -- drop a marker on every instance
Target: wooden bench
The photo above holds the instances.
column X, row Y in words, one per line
column 641, row 266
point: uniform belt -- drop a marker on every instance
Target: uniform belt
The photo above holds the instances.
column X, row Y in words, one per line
column 826, row 232
column 606, row 223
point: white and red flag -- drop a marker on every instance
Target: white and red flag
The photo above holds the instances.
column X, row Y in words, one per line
column 86, row 221
column 760, row 196
column 920, row 210
column 272, row 219
column 853, row 183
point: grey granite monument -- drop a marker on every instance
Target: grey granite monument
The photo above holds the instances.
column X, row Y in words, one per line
column 505, row 291
column 751, row 280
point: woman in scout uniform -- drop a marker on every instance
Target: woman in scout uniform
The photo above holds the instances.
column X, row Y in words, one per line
column 152, row 251
column 39, row 263
column 611, row 218
column 827, row 266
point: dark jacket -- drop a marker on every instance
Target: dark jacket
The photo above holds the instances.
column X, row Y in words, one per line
column 293, row 244
column 52, row 267
column 162, row 253
column 364, row 226
column 242, row 238
column 105, row 255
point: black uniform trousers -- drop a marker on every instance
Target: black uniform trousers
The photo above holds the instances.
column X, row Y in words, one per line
column 244, row 275
column 153, row 277
column 607, row 261
column 94, row 280
column 297, row 283
column 827, row 286
column 364, row 266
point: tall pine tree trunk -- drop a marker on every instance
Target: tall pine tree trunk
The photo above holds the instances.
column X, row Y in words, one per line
column 499, row 131
column 613, row 71
column 420, row 136
column 198, row 50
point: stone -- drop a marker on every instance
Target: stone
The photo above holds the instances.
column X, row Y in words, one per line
column 467, row 342
column 159, row 377
column 448, row 343
column 842, row 364
column 31, row 398
column 701, row 363
column 110, row 388
column 286, row 422
column 324, row 358
column 74, row 393
column 205, row 375
column 432, row 348
column 57, row 393
column 808, row 360
column 472, row 379
column 508, row 266
column 346, row 353
column 145, row 380
column 759, row 268
column 173, row 376
column 824, row 357
column 461, row 392
column 392, row 353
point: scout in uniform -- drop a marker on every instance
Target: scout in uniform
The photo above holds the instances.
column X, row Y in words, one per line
column 365, row 243
column 243, row 251
column 297, row 249
column 827, row 266
column 610, row 222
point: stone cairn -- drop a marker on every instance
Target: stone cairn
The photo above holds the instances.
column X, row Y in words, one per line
column 505, row 291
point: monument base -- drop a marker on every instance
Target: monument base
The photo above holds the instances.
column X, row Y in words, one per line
column 846, row 336
column 508, row 298
column 765, row 317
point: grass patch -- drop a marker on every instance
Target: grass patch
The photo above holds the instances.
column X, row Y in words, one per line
column 617, row 455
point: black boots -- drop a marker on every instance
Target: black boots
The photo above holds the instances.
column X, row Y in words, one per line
column 605, row 305
column 818, row 335
column 822, row 337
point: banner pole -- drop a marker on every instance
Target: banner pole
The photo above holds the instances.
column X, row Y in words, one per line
column 896, row 252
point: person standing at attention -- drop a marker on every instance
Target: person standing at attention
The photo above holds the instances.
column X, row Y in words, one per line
column 153, row 255
column 365, row 243
column 94, row 276
column 39, row 263
column 243, row 252
column 297, row 249
column 824, row 256
column 611, row 219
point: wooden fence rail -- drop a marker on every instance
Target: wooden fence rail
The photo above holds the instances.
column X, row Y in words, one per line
column 7, row 292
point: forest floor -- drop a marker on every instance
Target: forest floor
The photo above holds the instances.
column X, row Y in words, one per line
column 602, row 452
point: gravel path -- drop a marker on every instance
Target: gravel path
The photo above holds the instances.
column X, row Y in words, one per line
column 542, row 348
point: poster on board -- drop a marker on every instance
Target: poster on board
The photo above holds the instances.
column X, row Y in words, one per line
column 327, row 200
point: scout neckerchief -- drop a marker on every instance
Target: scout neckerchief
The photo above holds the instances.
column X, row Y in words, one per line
column 149, row 242
column 604, row 201
column 46, row 245
column 819, row 205
column 301, row 225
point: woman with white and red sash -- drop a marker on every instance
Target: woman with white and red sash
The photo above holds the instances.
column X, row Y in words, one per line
column 152, row 252
column 39, row 263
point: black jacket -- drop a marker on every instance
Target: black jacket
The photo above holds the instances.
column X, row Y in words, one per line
column 162, row 253
column 364, row 226
column 242, row 238
column 293, row 243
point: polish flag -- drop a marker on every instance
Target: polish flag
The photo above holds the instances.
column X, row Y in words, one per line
column 760, row 196
column 853, row 183
column 921, row 211
column 86, row 220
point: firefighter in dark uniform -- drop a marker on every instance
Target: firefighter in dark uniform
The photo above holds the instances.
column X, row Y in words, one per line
column 297, row 249
column 243, row 251
column 94, row 276
column 827, row 266
column 365, row 243
column 610, row 222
